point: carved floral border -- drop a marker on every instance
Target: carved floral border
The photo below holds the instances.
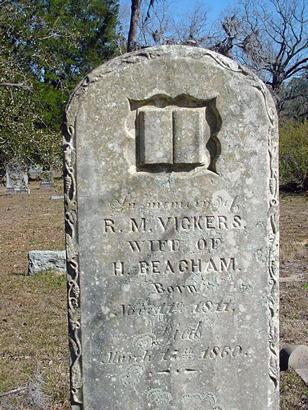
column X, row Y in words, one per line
column 72, row 265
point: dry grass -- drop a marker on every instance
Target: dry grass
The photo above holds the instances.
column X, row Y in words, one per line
column 33, row 341
column 33, row 309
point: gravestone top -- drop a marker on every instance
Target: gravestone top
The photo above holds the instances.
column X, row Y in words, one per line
column 16, row 178
column 171, row 197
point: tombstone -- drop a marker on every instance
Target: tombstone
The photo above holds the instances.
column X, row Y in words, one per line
column 40, row 261
column 295, row 357
column 35, row 171
column 172, row 241
column 56, row 197
column 46, row 179
column 16, row 178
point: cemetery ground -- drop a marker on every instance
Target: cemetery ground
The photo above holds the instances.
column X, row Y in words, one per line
column 33, row 342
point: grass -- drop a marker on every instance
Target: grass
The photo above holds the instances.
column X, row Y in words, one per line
column 33, row 343
column 293, row 391
column 33, row 308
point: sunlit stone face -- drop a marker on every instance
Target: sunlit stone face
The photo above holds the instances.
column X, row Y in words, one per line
column 172, row 235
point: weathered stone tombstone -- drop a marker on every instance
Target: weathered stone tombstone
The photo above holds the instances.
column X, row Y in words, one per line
column 47, row 179
column 35, row 171
column 16, row 178
column 40, row 261
column 173, row 270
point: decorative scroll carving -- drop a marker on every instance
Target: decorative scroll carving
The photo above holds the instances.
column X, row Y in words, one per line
column 73, row 287
column 273, row 267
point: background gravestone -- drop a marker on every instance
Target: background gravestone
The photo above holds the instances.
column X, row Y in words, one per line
column 171, row 155
column 35, row 171
column 47, row 179
column 40, row 261
column 16, row 178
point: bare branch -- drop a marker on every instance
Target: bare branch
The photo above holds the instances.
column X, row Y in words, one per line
column 297, row 67
column 17, row 85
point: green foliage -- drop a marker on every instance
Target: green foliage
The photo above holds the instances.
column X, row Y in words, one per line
column 294, row 99
column 46, row 46
column 293, row 150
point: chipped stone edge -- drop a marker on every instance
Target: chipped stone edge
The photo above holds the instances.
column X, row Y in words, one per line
column 71, row 222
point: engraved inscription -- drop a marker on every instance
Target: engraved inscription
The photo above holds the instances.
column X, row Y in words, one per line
column 200, row 307
column 178, row 267
column 175, row 223
column 235, row 205
column 160, row 288
column 159, row 354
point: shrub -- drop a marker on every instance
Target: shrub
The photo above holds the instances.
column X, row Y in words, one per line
column 293, row 151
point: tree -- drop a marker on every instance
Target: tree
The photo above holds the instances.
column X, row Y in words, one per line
column 293, row 102
column 46, row 47
column 270, row 36
column 135, row 21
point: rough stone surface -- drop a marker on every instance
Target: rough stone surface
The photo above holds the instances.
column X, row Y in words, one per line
column 39, row 261
column 298, row 361
column 171, row 196
column 299, row 358
column 295, row 357
column 303, row 374
column 16, row 178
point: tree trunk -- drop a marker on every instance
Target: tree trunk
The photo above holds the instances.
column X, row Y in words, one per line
column 134, row 20
column 276, row 84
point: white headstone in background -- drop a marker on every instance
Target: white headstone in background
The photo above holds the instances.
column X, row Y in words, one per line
column 16, row 178
column 46, row 179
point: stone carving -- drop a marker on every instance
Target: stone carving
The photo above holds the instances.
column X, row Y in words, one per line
column 73, row 288
column 176, row 134
column 115, row 200
column 273, row 258
column 200, row 401
column 159, row 398
column 132, row 376
column 145, row 341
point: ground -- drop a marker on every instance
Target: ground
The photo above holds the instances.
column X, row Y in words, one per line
column 33, row 326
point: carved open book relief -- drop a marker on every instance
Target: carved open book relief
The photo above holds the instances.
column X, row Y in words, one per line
column 176, row 134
